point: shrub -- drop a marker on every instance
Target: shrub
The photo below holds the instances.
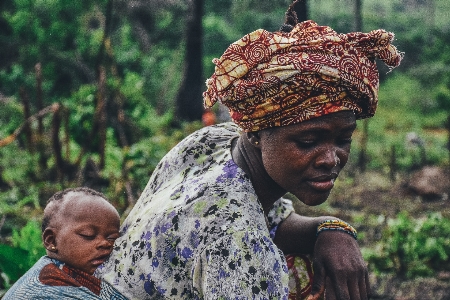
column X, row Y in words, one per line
column 412, row 247
column 26, row 249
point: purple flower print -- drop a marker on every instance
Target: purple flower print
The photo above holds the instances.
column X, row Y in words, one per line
column 166, row 227
column 195, row 240
column 230, row 169
column 149, row 287
column 223, row 274
column 256, row 247
column 186, row 253
column 146, row 236
column 156, row 230
column 276, row 266
column 155, row 262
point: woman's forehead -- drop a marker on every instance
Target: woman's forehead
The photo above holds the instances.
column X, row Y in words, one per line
column 339, row 121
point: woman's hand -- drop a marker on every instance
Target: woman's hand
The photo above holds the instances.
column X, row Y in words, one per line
column 339, row 268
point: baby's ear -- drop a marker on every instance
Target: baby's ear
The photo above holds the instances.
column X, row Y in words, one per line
column 49, row 239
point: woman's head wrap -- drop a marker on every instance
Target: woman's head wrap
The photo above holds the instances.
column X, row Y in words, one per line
column 277, row 79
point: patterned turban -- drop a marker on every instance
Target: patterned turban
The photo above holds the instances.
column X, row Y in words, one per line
column 277, row 79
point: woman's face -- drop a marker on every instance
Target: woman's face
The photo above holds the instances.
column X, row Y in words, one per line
column 305, row 159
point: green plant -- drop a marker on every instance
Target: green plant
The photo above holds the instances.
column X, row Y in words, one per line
column 412, row 247
column 26, row 249
column 11, row 266
column 29, row 239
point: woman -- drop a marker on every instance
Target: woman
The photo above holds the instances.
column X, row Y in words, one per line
column 212, row 223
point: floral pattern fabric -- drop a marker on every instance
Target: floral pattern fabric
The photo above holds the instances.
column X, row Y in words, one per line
column 276, row 79
column 198, row 230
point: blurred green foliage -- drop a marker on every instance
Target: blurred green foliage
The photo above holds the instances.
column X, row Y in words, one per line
column 25, row 250
column 29, row 239
column 412, row 247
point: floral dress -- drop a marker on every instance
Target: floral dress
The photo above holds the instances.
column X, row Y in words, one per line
column 198, row 230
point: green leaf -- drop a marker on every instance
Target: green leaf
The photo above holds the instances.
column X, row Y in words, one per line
column 13, row 262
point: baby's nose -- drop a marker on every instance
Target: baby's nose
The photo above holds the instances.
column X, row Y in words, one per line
column 106, row 243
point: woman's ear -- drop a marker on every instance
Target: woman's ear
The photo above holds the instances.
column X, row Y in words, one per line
column 49, row 239
column 254, row 139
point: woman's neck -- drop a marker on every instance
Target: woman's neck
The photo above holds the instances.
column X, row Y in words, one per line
column 249, row 159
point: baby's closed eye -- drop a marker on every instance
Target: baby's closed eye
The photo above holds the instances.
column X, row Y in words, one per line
column 87, row 236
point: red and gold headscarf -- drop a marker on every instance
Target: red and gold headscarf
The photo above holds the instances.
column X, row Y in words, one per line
column 277, row 79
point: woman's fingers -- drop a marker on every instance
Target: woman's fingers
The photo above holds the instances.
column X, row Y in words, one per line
column 341, row 268
column 330, row 292
column 347, row 287
column 364, row 287
column 318, row 285
column 337, row 289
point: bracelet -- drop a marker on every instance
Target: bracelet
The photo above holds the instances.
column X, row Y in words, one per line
column 336, row 225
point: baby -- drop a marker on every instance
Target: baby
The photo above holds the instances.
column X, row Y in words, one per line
column 78, row 230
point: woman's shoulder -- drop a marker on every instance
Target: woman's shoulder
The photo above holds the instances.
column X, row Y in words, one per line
column 219, row 133
column 197, row 153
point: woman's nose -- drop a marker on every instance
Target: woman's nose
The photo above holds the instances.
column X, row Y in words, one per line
column 328, row 158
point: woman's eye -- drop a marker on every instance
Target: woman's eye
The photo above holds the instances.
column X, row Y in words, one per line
column 306, row 143
column 345, row 141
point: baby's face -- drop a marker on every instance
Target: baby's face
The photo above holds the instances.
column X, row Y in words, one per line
column 88, row 228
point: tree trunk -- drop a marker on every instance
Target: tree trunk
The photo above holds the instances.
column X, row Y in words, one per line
column 358, row 15
column 301, row 9
column 362, row 160
column 56, row 144
column 448, row 138
column 40, row 105
column 40, row 102
column 67, row 134
column 27, row 113
column 101, row 116
column 119, row 120
column 365, row 133
column 189, row 103
column 393, row 164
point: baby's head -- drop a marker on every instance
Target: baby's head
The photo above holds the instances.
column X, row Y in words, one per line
column 79, row 228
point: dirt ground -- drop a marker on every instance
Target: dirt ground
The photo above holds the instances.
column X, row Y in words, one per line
column 359, row 197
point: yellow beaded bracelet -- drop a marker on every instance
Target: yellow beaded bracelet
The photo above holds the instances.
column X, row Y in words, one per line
column 336, row 225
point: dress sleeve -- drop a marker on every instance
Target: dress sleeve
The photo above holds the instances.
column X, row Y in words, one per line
column 281, row 209
column 245, row 265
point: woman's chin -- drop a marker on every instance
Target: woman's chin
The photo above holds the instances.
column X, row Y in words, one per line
column 313, row 199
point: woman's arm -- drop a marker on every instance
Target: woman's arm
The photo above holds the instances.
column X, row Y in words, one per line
column 297, row 234
column 338, row 264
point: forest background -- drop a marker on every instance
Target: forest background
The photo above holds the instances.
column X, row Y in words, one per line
column 94, row 93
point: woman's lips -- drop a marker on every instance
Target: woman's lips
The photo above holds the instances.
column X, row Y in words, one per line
column 323, row 183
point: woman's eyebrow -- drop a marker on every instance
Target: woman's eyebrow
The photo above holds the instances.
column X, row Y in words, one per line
column 351, row 127
column 320, row 129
